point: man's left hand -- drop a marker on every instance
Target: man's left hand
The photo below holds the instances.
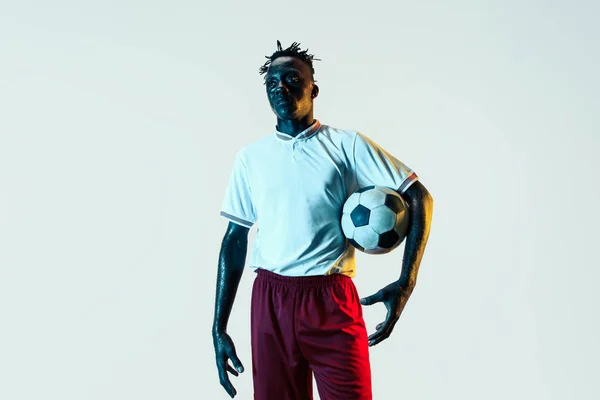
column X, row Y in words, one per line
column 394, row 296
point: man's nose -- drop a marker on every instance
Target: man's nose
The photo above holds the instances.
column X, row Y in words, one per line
column 280, row 88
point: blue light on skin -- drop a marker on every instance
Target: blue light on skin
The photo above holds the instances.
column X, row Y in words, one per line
column 290, row 79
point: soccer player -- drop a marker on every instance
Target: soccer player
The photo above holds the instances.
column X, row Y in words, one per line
column 306, row 316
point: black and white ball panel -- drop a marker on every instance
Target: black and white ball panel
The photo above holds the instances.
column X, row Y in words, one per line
column 360, row 216
column 374, row 220
column 382, row 219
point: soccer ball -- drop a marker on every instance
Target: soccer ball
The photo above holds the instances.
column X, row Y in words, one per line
column 375, row 219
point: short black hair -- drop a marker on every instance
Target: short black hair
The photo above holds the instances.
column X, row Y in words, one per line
column 293, row 51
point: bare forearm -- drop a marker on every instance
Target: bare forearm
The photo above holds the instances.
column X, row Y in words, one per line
column 420, row 214
column 232, row 258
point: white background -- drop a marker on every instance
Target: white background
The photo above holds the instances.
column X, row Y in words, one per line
column 119, row 124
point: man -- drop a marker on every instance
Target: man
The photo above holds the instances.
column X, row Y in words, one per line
column 306, row 316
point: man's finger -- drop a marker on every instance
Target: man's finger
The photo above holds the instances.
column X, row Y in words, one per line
column 378, row 340
column 235, row 360
column 386, row 329
column 222, row 367
column 380, row 335
column 380, row 331
column 382, row 327
column 232, row 370
column 224, row 379
column 374, row 298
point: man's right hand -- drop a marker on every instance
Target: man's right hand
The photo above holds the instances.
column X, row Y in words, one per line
column 225, row 350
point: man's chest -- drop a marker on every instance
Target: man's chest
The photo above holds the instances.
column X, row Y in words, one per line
column 306, row 176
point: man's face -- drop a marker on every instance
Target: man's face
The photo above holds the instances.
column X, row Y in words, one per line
column 289, row 87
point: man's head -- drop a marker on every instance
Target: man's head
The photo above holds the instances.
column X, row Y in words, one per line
column 289, row 82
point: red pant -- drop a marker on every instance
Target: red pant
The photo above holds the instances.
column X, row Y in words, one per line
column 308, row 324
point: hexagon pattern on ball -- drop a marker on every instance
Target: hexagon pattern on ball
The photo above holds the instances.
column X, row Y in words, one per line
column 375, row 219
column 366, row 237
column 382, row 219
column 372, row 198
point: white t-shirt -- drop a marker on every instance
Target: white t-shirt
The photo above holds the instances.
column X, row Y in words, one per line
column 294, row 188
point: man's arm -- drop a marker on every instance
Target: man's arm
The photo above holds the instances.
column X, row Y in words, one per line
column 420, row 212
column 232, row 258
column 396, row 294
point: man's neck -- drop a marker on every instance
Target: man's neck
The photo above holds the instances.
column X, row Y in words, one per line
column 294, row 127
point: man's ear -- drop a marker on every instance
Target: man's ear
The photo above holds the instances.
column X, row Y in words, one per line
column 315, row 91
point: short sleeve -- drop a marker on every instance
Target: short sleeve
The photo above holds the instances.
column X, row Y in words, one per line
column 375, row 166
column 237, row 205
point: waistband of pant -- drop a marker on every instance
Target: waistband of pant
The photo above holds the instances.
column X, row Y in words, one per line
column 301, row 281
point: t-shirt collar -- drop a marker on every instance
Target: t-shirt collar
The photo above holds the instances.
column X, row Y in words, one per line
column 305, row 134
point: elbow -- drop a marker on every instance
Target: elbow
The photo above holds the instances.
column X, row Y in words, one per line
column 428, row 198
column 418, row 196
